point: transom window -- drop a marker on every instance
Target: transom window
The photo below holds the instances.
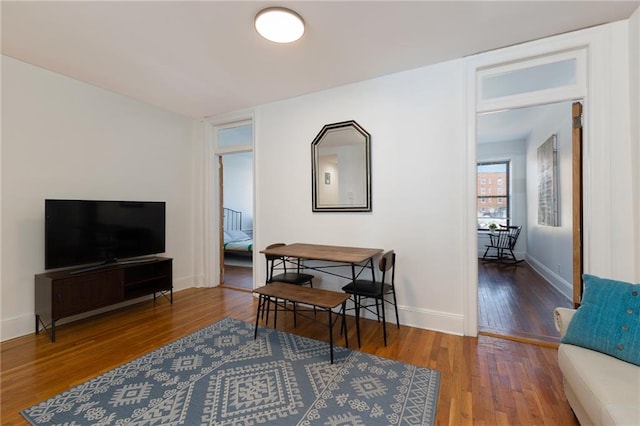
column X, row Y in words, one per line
column 493, row 194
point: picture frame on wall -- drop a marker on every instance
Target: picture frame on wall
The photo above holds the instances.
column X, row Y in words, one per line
column 548, row 182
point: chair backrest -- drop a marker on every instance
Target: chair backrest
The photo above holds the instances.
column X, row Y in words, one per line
column 271, row 256
column 514, row 232
column 273, row 259
column 388, row 262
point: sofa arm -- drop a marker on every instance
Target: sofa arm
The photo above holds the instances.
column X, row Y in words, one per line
column 562, row 317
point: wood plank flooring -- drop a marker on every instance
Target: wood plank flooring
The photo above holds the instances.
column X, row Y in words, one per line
column 240, row 277
column 484, row 380
column 238, row 271
column 515, row 301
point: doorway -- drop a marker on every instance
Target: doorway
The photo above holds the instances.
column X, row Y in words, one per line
column 236, row 187
column 517, row 300
column 231, row 219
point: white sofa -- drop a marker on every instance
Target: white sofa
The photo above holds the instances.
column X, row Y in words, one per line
column 601, row 389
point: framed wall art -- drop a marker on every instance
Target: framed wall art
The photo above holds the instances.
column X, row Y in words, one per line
column 548, row 182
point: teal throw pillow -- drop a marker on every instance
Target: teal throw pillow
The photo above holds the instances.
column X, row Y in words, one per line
column 608, row 320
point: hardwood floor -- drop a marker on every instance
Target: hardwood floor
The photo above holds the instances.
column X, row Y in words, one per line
column 238, row 271
column 515, row 301
column 484, row 380
column 240, row 277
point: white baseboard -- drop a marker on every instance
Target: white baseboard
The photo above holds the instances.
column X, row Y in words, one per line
column 556, row 281
column 443, row 322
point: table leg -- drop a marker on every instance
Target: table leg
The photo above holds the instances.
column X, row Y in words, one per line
column 344, row 324
column 255, row 330
column 357, row 309
column 295, row 320
column 330, row 335
column 275, row 313
column 373, row 269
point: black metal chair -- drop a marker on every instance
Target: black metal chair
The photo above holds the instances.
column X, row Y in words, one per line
column 278, row 271
column 279, row 263
column 369, row 293
column 503, row 240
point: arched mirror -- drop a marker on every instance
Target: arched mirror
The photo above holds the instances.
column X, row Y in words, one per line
column 341, row 168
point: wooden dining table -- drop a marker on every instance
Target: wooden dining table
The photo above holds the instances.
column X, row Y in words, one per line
column 358, row 258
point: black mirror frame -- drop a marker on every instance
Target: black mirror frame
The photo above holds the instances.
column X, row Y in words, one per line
column 314, row 169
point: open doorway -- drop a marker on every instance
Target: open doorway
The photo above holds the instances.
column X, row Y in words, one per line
column 517, row 300
column 231, row 251
column 236, row 180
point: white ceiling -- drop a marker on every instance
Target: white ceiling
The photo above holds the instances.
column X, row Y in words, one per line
column 204, row 58
column 517, row 124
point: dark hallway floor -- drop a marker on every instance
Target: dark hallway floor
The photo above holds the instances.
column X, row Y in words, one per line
column 516, row 301
column 238, row 272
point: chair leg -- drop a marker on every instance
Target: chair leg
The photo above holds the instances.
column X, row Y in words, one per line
column 295, row 316
column 343, row 328
column 314, row 308
column 395, row 305
column 275, row 313
column 384, row 321
column 255, row 330
column 515, row 260
column 356, row 305
column 484, row 256
column 268, row 309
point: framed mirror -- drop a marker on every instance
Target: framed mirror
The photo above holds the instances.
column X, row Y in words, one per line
column 341, row 168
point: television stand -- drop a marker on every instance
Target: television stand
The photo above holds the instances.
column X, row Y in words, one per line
column 114, row 263
column 66, row 293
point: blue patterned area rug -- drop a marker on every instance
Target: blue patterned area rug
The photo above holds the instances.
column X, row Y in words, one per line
column 220, row 375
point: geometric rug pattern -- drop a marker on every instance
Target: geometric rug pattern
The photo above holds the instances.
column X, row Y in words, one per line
column 220, row 375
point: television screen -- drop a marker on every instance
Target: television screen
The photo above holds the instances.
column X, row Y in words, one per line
column 79, row 232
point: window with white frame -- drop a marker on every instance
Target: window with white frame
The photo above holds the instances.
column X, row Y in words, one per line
column 494, row 202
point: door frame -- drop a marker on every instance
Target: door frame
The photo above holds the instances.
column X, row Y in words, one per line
column 509, row 59
column 212, row 194
column 577, row 201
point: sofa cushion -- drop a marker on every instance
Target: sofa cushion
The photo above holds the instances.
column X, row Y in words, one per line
column 607, row 389
column 608, row 320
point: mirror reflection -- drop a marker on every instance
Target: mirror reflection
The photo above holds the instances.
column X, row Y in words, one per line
column 341, row 172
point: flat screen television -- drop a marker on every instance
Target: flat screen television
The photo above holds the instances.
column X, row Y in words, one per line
column 81, row 232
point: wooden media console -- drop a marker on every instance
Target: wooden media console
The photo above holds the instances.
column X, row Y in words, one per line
column 62, row 294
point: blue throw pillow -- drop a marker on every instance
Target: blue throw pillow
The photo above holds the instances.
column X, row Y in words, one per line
column 608, row 319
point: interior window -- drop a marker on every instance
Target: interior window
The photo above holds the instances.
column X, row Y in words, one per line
column 235, row 136
column 532, row 79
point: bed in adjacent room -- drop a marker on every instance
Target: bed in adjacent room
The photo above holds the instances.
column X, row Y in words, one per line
column 236, row 241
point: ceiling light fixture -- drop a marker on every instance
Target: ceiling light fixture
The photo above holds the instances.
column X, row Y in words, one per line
column 279, row 24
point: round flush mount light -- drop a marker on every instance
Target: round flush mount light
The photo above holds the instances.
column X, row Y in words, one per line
column 279, row 24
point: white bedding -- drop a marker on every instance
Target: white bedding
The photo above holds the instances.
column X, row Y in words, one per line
column 239, row 241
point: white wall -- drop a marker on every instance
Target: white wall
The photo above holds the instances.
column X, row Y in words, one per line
column 515, row 152
column 416, row 145
column 65, row 139
column 634, row 83
column 619, row 172
column 550, row 248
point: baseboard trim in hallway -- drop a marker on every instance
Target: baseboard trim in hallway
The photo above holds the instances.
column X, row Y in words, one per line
column 547, row 342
